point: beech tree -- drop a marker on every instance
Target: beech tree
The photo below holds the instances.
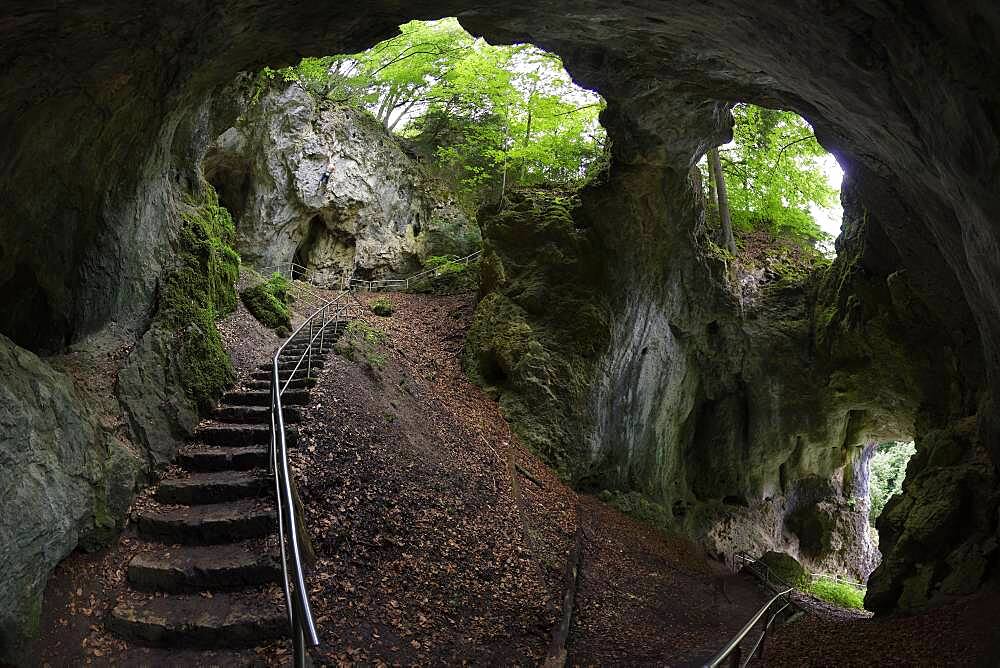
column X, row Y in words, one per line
column 494, row 114
column 772, row 174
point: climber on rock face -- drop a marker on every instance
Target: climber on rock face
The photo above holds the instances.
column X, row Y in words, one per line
column 325, row 179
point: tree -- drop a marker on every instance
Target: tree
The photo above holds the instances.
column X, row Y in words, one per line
column 772, row 173
column 491, row 113
column 725, row 222
column 887, row 470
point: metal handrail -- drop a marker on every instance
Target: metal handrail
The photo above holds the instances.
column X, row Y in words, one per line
column 732, row 652
column 301, row 623
column 405, row 283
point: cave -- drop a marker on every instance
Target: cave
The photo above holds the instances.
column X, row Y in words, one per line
column 108, row 109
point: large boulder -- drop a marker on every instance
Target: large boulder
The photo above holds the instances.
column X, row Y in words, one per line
column 64, row 480
column 381, row 212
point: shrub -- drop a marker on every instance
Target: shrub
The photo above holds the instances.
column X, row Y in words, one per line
column 268, row 302
column 382, row 306
column 838, row 593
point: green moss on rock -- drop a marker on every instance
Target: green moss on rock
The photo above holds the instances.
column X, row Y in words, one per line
column 268, row 302
column 786, row 567
column 199, row 289
column 541, row 323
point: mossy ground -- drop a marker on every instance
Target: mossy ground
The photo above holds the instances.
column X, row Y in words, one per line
column 382, row 306
column 199, row 290
column 362, row 341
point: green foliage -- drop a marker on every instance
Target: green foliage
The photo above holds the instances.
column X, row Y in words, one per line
column 490, row 114
column 838, row 593
column 445, row 264
column 639, row 507
column 382, row 306
column 773, row 174
column 886, row 472
column 268, row 302
column 197, row 291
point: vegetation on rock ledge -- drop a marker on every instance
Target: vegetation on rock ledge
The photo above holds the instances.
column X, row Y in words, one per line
column 198, row 290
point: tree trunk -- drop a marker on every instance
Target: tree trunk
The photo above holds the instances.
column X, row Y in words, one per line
column 725, row 222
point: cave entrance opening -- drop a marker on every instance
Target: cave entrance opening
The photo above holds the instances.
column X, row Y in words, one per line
column 776, row 185
column 886, row 464
column 484, row 118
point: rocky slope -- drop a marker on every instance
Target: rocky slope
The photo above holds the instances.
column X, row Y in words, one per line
column 380, row 214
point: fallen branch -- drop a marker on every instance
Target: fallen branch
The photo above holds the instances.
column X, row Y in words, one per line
column 555, row 657
column 523, row 471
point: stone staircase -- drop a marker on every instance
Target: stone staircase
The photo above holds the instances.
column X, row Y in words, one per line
column 207, row 572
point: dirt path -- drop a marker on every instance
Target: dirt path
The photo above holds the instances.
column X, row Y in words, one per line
column 428, row 557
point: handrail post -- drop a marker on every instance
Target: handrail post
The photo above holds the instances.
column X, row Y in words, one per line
column 309, row 351
column 322, row 332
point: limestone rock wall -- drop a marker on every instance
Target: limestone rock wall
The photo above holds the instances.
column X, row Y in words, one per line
column 66, row 480
column 381, row 213
column 746, row 421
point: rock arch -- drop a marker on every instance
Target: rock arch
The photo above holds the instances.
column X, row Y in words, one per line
column 105, row 109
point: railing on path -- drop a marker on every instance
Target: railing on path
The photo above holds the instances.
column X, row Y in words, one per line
column 314, row 329
column 732, row 653
column 292, row 268
column 301, row 624
column 405, row 283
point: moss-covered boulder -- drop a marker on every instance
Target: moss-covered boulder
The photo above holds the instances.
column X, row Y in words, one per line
column 787, row 568
column 541, row 323
column 268, row 302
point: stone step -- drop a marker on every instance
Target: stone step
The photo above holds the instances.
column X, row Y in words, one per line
column 289, row 398
column 317, row 363
column 297, row 351
column 254, row 414
column 282, row 375
column 233, row 435
column 213, row 487
column 200, row 568
column 294, row 384
column 200, row 457
column 208, row 524
column 191, row 620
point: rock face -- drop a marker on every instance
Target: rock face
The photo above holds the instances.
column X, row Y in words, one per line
column 106, row 108
column 65, row 481
column 379, row 214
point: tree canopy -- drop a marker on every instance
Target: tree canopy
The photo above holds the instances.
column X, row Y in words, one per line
column 773, row 173
column 492, row 114
column 888, row 468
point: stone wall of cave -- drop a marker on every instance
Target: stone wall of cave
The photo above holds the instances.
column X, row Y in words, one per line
column 106, row 110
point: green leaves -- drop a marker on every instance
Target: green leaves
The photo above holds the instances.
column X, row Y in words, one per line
column 773, row 173
column 887, row 470
column 493, row 115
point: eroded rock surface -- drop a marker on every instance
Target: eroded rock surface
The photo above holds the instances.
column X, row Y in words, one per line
column 64, row 480
column 379, row 214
